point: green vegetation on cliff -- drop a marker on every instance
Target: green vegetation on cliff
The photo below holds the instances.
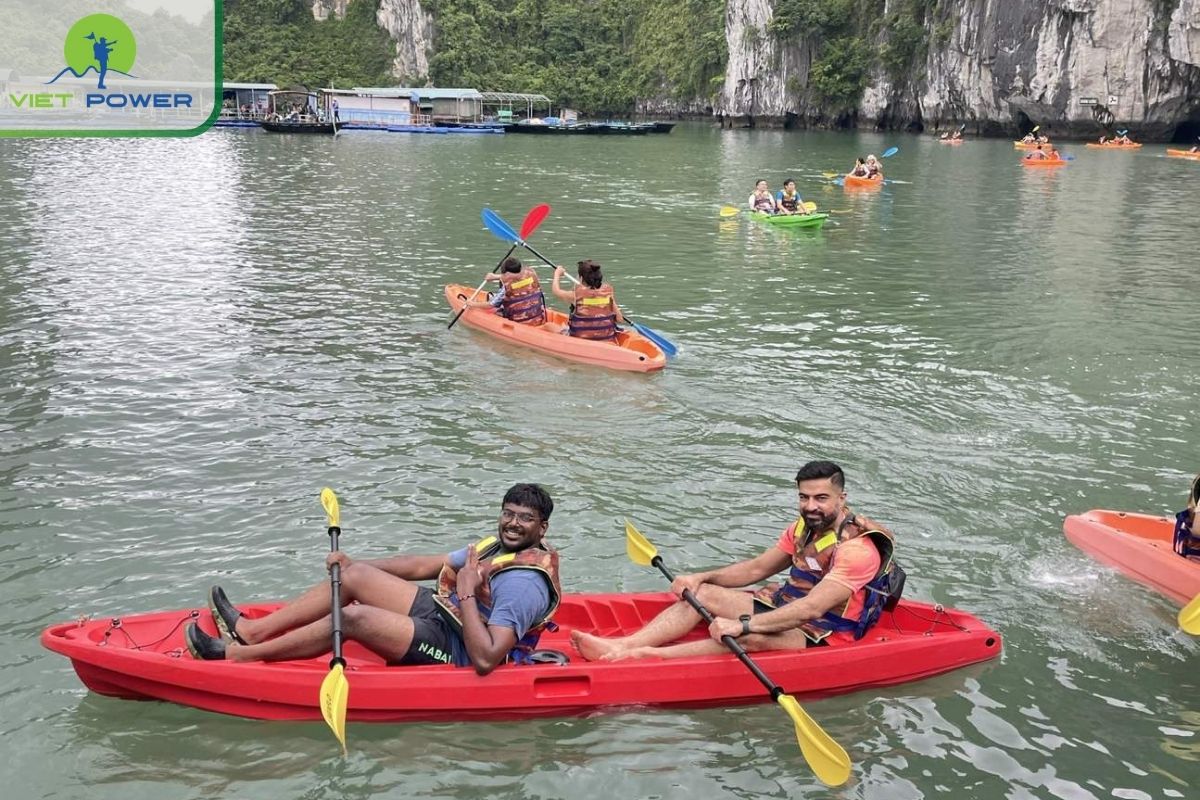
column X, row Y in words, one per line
column 278, row 41
column 596, row 56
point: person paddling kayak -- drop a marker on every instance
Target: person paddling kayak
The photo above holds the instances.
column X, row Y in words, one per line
column 1187, row 537
column 841, row 576
column 859, row 170
column 761, row 199
column 520, row 298
column 788, row 200
column 594, row 311
column 492, row 601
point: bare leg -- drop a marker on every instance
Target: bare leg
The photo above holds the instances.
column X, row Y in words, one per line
column 360, row 581
column 384, row 632
column 671, row 623
column 755, row 642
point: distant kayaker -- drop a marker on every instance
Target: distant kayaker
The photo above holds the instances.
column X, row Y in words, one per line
column 788, row 200
column 873, row 167
column 594, row 311
column 492, row 600
column 860, row 169
column 761, row 199
column 841, row 573
column 1036, row 155
column 1187, row 537
column 1028, row 138
column 520, row 298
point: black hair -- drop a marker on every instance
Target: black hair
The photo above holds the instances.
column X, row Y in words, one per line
column 786, row 181
column 816, row 470
column 532, row 496
column 511, row 265
column 589, row 273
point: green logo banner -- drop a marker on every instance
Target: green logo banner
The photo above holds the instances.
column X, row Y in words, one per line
column 109, row 67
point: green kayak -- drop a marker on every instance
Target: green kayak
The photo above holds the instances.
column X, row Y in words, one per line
column 791, row 220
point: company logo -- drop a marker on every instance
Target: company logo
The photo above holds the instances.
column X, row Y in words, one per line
column 98, row 43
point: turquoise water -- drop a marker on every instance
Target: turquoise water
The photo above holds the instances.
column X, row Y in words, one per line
column 199, row 334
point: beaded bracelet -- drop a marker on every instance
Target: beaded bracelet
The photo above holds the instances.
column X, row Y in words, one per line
column 466, row 597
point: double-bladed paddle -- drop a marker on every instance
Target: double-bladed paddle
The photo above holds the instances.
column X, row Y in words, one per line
column 733, row 211
column 828, row 760
column 502, row 230
column 532, row 220
column 335, row 689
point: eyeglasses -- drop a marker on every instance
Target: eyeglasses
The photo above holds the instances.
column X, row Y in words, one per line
column 522, row 516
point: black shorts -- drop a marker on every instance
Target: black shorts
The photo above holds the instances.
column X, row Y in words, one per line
column 432, row 634
column 761, row 608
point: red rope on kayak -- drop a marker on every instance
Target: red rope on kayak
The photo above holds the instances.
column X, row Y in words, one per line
column 939, row 612
column 115, row 625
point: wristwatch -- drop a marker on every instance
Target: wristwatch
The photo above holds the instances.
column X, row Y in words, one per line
column 745, row 620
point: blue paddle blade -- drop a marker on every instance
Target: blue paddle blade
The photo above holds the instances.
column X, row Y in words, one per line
column 664, row 344
column 840, row 181
column 499, row 228
column 891, row 151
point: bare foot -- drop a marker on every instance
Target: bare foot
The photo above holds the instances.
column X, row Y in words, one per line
column 594, row 648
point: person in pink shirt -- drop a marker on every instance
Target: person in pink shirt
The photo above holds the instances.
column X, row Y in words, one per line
column 839, row 576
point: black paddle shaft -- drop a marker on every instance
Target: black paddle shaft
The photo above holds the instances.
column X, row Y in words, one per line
column 726, row 640
column 335, row 583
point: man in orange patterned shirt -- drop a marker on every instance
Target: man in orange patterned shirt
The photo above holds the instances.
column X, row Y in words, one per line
column 831, row 555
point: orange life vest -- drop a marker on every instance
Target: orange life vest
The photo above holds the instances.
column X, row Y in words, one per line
column 811, row 562
column 492, row 561
column 594, row 315
column 523, row 299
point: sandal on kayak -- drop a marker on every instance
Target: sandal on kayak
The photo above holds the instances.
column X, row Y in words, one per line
column 202, row 646
column 224, row 614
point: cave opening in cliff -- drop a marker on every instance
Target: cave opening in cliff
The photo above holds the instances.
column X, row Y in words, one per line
column 1024, row 123
column 1186, row 132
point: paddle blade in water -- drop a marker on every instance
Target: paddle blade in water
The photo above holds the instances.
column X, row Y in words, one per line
column 891, row 151
column 828, row 760
column 663, row 343
column 729, row 211
column 638, row 547
column 533, row 219
column 1189, row 616
column 335, row 693
column 330, row 502
column 810, row 206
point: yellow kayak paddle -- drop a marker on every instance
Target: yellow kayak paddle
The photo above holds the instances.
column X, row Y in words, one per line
column 1189, row 616
column 826, row 757
column 335, row 689
column 733, row 211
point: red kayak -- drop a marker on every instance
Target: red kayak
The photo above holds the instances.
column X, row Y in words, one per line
column 1139, row 545
column 143, row 657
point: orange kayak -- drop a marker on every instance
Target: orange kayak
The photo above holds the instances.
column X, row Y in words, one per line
column 1183, row 154
column 631, row 351
column 1138, row 545
column 1097, row 145
column 1029, row 145
column 855, row 182
column 1043, row 162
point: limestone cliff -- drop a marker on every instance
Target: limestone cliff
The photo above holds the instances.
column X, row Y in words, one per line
column 997, row 65
column 410, row 27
